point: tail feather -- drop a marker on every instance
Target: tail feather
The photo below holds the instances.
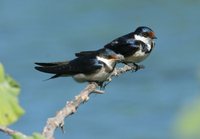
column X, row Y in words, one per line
column 55, row 76
column 51, row 64
column 53, row 68
column 57, row 68
column 45, row 69
column 62, row 69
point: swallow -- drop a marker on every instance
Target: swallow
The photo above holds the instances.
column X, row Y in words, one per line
column 135, row 46
column 96, row 67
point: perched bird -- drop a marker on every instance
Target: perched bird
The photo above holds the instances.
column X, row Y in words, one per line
column 90, row 68
column 135, row 46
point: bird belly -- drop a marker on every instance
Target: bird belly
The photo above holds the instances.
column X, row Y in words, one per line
column 136, row 57
column 99, row 76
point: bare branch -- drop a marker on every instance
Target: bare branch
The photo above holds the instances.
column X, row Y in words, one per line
column 126, row 68
column 69, row 109
column 71, row 106
column 10, row 131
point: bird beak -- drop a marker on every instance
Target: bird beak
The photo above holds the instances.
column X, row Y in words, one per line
column 152, row 35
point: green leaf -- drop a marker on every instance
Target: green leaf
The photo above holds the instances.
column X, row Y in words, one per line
column 1, row 73
column 10, row 110
column 35, row 136
column 187, row 125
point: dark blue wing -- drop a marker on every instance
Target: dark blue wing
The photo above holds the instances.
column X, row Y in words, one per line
column 125, row 45
column 86, row 65
column 90, row 53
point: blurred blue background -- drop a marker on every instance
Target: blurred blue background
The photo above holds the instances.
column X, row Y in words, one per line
column 142, row 105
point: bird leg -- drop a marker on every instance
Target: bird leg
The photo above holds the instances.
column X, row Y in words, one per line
column 138, row 67
column 103, row 85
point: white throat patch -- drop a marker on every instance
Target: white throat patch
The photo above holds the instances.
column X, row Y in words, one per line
column 147, row 41
column 109, row 63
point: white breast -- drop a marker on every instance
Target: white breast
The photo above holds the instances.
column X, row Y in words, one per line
column 140, row 55
column 137, row 57
column 101, row 76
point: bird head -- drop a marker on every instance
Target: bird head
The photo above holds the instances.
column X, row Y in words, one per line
column 142, row 33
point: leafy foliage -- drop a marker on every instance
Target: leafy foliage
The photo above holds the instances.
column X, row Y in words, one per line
column 10, row 110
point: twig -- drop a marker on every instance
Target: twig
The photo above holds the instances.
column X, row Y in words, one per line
column 126, row 68
column 70, row 108
column 10, row 131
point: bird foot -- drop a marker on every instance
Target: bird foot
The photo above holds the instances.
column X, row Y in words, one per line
column 103, row 85
column 138, row 67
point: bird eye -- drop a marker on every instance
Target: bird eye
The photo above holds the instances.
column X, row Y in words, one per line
column 145, row 34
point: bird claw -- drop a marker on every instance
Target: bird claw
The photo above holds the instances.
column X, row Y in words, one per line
column 62, row 127
column 138, row 67
column 104, row 84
